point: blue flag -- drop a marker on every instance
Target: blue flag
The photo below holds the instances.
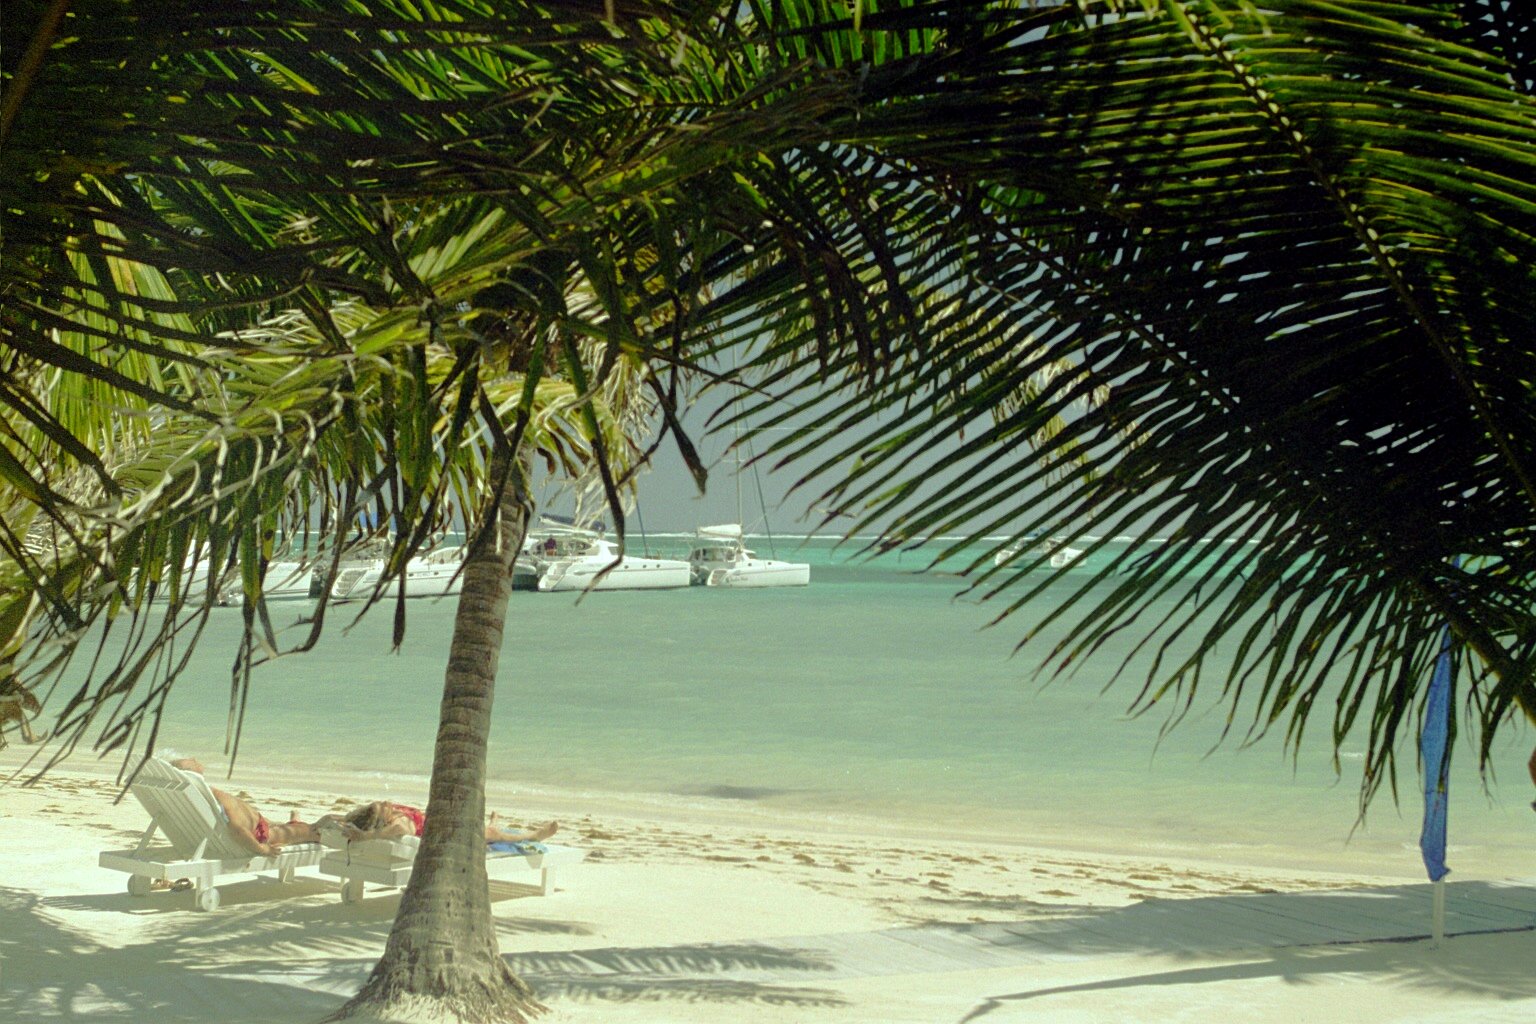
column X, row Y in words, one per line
column 1434, row 751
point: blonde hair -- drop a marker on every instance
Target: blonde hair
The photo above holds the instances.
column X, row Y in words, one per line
column 371, row 817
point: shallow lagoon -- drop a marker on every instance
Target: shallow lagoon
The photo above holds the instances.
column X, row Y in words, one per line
column 873, row 694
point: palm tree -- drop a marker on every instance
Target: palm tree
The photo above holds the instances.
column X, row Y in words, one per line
column 1163, row 198
column 1292, row 248
column 308, row 414
column 316, row 416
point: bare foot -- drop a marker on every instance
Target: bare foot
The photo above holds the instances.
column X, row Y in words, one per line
column 495, row 833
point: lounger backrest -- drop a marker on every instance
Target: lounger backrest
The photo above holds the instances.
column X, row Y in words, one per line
column 183, row 806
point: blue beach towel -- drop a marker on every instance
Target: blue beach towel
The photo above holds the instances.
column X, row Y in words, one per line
column 503, row 846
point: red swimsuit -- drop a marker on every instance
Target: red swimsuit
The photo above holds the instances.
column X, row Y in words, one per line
column 418, row 817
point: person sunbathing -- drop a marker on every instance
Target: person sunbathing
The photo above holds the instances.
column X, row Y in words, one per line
column 249, row 825
column 384, row 820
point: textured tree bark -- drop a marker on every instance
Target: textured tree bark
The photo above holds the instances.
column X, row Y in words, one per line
column 442, row 960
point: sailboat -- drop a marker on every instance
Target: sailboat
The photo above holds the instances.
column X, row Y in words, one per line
column 720, row 557
column 600, row 567
column 561, row 554
column 1060, row 555
column 434, row 574
column 553, row 539
column 285, row 578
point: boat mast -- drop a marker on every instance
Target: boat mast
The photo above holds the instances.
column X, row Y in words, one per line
column 736, row 450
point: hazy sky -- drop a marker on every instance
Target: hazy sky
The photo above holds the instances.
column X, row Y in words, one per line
column 670, row 503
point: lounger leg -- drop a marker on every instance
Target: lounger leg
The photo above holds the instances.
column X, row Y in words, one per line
column 285, row 874
column 351, row 890
column 546, row 881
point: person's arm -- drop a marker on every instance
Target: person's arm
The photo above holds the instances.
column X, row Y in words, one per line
column 240, row 816
column 248, row 839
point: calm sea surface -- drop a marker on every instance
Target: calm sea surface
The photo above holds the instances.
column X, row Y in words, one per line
column 873, row 693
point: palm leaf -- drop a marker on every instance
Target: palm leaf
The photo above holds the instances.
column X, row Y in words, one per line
column 1294, row 245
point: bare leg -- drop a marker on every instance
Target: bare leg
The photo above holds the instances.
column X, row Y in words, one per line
column 497, row 835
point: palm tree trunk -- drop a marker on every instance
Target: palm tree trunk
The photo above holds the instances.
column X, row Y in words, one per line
column 442, row 956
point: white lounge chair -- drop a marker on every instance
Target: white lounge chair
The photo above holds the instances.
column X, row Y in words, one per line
column 182, row 806
column 388, row 862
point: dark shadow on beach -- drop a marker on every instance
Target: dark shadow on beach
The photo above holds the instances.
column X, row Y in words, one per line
column 1238, row 921
column 294, row 952
column 690, row 973
column 1499, row 975
column 1374, row 934
column 1296, row 936
column 177, row 970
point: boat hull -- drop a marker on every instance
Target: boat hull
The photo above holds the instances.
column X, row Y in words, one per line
column 424, row 577
column 783, row 574
column 525, row 575
column 629, row 574
column 285, row 581
column 1061, row 556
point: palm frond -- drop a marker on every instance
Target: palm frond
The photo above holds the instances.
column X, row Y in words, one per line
column 1294, row 245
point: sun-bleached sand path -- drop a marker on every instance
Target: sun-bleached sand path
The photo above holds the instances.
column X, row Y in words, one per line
column 667, row 924
column 1221, row 924
column 1335, row 929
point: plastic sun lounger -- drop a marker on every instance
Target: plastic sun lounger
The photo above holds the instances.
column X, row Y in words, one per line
column 182, row 806
column 388, row 862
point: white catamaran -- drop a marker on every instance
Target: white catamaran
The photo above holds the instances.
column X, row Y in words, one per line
column 720, row 558
column 1060, row 555
column 434, row 574
column 598, row 566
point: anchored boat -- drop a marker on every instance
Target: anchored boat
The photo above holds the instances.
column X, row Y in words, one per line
column 599, row 566
column 720, row 558
column 434, row 574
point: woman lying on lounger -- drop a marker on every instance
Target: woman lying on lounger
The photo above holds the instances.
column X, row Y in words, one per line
column 384, row 820
column 249, row 825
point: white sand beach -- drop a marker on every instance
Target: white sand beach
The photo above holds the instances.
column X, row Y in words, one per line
column 679, row 918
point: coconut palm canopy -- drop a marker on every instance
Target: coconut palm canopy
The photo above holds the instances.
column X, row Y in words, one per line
column 1292, row 245
column 320, row 260
column 175, row 412
column 1289, row 247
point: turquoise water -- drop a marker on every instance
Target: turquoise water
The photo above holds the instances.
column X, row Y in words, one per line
column 872, row 694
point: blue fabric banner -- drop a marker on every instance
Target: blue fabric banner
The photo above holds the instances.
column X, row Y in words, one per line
column 1434, row 751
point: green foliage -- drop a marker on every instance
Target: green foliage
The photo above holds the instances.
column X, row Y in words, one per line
column 1196, row 270
column 1291, row 249
column 375, row 243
